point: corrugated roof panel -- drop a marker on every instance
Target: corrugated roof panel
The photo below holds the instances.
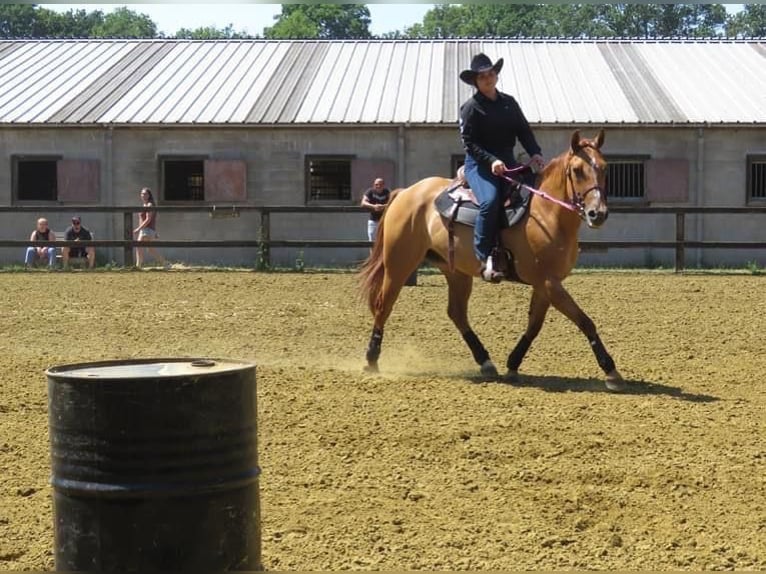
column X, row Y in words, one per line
column 376, row 88
column 312, row 59
column 223, row 102
column 708, row 79
column 415, row 80
column 172, row 84
column 434, row 95
column 201, row 69
column 391, row 87
column 29, row 80
column 349, row 87
column 142, row 94
column 339, row 55
column 377, row 81
column 257, row 79
column 78, row 75
column 215, row 78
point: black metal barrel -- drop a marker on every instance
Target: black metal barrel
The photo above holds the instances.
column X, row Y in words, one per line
column 155, row 466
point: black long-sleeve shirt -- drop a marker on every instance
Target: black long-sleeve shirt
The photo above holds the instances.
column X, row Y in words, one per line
column 489, row 129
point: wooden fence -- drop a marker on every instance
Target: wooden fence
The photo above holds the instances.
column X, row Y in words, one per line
column 265, row 243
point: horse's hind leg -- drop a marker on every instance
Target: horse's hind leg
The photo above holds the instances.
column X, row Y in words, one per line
column 538, row 308
column 563, row 301
column 460, row 286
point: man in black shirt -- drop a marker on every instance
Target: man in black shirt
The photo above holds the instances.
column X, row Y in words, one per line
column 375, row 200
column 490, row 124
column 76, row 232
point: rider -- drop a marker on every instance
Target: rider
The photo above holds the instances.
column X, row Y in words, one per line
column 490, row 123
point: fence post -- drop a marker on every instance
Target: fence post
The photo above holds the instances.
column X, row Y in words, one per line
column 127, row 235
column 264, row 255
column 680, row 238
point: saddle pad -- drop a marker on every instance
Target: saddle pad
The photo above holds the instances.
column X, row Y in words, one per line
column 467, row 211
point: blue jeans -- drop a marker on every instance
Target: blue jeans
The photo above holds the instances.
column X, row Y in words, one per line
column 485, row 187
column 31, row 255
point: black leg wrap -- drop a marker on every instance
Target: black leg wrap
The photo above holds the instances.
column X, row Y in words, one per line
column 605, row 361
column 518, row 353
column 480, row 354
column 373, row 349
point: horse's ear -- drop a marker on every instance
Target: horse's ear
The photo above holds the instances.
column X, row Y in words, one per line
column 600, row 139
column 576, row 141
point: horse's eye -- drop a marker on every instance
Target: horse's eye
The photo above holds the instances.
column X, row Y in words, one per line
column 579, row 172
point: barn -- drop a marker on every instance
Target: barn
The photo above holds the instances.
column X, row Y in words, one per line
column 310, row 123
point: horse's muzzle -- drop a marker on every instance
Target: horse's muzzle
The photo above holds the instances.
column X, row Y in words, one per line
column 596, row 217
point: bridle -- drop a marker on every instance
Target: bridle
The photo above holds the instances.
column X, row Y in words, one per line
column 577, row 205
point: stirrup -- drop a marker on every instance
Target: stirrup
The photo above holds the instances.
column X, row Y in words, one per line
column 488, row 272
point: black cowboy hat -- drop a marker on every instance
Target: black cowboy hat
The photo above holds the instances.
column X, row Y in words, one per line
column 480, row 63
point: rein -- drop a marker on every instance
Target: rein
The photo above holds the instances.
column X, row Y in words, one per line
column 576, row 206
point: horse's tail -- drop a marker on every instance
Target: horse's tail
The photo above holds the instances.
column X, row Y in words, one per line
column 372, row 270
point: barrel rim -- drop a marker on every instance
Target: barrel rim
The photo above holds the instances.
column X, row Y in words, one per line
column 68, row 371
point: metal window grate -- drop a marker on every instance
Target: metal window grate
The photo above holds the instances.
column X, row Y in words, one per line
column 329, row 179
column 625, row 179
column 756, row 187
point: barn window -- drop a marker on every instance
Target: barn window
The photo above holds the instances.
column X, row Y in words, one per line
column 756, row 178
column 35, row 178
column 328, row 178
column 626, row 177
column 183, row 179
column 456, row 162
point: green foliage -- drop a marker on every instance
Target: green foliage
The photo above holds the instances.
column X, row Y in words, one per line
column 321, row 21
column 570, row 20
column 750, row 22
column 753, row 268
column 125, row 23
column 211, row 33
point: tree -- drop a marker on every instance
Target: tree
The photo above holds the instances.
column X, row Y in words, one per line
column 125, row 23
column 322, row 21
column 570, row 20
column 749, row 22
column 211, row 33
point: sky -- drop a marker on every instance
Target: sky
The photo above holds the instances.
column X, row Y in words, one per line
column 250, row 18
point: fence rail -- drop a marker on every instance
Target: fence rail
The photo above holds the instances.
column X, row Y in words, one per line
column 265, row 243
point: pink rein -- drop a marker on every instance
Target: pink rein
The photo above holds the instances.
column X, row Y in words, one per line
column 541, row 193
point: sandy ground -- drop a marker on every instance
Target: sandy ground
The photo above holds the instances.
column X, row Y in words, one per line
column 424, row 466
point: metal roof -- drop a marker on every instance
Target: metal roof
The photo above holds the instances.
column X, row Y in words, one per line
column 263, row 82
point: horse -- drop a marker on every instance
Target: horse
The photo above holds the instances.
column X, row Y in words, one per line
column 570, row 189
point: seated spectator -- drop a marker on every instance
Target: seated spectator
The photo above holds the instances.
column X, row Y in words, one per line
column 76, row 232
column 41, row 233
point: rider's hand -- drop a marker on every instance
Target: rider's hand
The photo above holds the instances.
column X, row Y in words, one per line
column 536, row 162
column 498, row 167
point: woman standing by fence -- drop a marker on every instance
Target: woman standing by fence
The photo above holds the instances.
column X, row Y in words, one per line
column 147, row 230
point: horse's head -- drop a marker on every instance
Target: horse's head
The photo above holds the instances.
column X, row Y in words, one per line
column 586, row 177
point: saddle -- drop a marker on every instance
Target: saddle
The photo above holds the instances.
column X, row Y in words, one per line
column 457, row 204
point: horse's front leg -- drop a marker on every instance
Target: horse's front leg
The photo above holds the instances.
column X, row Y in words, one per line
column 460, row 287
column 538, row 308
column 562, row 300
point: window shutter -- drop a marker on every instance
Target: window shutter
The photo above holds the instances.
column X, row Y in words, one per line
column 667, row 180
column 225, row 180
column 364, row 172
column 78, row 180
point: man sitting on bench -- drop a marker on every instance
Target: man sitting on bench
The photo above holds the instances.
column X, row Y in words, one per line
column 76, row 232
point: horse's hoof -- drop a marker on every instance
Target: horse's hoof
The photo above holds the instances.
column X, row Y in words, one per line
column 371, row 368
column 615, row 382
column 488, row 370
column 511, row 377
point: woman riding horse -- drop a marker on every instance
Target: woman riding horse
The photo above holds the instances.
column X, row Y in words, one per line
column 543, row 244
column 490, row 123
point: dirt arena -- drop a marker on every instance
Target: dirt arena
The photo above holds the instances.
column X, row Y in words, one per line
column 425, row 466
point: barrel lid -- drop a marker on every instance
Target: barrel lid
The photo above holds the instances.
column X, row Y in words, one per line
column 147, row 368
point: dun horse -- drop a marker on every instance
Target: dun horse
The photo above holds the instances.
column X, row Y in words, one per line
column 543, row 245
